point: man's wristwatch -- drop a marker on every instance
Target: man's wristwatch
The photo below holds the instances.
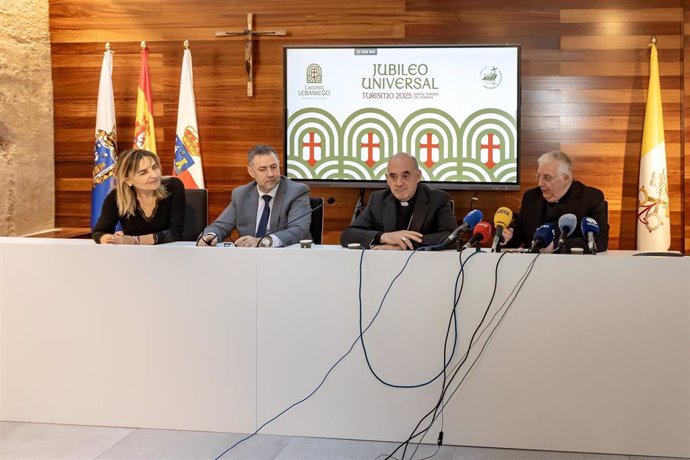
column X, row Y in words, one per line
column 267, row 242
column 210, row 239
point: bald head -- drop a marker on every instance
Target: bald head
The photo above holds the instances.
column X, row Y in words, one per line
column 403, row 175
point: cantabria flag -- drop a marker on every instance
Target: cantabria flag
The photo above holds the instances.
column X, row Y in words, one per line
column 187, row 164
column 105, row 148
column 653, row 222
column 144, row 129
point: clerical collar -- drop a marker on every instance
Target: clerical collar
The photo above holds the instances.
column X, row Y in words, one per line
column 409, row 202
column 565, row 195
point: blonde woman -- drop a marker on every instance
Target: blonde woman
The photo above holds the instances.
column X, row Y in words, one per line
column 149, row 207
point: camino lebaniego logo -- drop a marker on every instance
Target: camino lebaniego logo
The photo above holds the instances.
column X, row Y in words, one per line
column 314, row 89
column 491, row 77
column 314, row 74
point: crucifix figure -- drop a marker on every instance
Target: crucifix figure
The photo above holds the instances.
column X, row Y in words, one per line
column 249, row 32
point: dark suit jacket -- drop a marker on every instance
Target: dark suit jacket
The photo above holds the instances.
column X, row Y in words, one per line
column 431, row 217
column 581, row 200
column 291, row 201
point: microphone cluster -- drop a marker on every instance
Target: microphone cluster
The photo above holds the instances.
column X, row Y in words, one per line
column 543, row 236
column 481, row 230
column 567, row 224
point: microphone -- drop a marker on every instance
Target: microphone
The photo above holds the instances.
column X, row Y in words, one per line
column 566, row 224
column 470, row 220
column 502, row 220
column 331, row 200
column 590, row 229
column 543, row 237
column 482, row 232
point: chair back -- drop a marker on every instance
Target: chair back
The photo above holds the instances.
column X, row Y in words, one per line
column 316, row 227
column 606, row 208
column 196, row 213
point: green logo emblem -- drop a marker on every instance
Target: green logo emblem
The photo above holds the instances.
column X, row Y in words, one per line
column 314, row 74
column 491, row 77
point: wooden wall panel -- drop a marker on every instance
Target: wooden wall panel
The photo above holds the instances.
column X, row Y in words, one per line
column 685, row 156
column 584, row 80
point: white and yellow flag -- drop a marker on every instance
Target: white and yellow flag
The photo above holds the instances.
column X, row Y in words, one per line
column 653, row 221
column 187, row 163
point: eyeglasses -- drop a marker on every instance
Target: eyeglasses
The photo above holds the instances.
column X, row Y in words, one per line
column 546, row 177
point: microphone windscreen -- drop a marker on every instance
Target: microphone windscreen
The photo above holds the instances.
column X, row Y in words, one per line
column 503, row 217
column 331, row 200
column 472, row 218
column 589, row 225
column 545, row 233
column 567, row 224
column 483, row 228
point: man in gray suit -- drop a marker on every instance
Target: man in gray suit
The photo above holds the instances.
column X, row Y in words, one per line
column 266, row 204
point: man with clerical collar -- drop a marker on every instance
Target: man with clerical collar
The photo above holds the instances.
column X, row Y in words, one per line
column 558, row 194
column 406, row 215
column 266, row 212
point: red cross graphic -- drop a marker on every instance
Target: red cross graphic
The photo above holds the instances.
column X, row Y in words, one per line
column 490, row 148
column 310, row 145
column 370, row 149
column 429, row 147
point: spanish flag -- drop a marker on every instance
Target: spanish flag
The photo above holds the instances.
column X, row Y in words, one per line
column 144, row 129
column 187, row 164
column 653, row 221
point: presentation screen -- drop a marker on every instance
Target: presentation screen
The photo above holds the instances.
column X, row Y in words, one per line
column 455, row 108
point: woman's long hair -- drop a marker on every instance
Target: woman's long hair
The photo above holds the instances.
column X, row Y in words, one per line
column 127, row 164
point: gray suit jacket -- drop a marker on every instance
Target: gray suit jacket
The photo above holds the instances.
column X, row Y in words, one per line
column 291, row 201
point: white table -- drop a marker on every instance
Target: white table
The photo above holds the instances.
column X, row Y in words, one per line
column 593, row 356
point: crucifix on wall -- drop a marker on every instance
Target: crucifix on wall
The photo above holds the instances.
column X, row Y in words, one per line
column 249, row 33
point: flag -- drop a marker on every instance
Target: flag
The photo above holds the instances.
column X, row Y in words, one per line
column 105, row 149
column 144, row 129
column 187, row 163
column 653, row 221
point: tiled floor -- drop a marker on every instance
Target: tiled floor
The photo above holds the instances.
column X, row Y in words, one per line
column 33, row 441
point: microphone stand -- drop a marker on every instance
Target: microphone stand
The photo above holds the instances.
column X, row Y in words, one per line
column 331, row 200
column 458, row 243
column 359, row 206
column 498, row 246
